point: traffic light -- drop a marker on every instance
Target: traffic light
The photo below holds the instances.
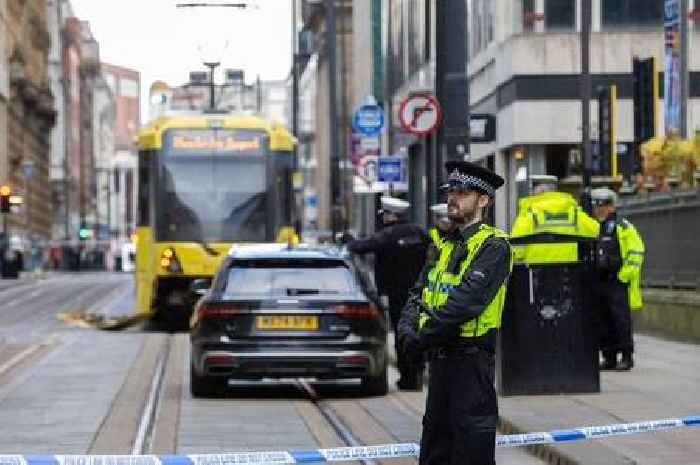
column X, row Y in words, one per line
column 646, row 107
column 605, row 161
column 646, row 98
column 5, row 193
column 84, row 233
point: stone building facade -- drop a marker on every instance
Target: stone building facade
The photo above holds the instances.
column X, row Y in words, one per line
column 30, row 115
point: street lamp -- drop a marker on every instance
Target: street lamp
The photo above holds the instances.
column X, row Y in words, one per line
column 212, row 65
column 28, row 171
column 585, row 89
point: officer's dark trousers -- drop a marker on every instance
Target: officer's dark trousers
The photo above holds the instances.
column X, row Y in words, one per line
column 459, row 426
column 410, row 371
column 614, row 319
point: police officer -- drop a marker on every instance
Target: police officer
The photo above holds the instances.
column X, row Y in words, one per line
column 442, row 223
column 547, row 210
column 400, row 251
column 619, row 257
column 454, row 315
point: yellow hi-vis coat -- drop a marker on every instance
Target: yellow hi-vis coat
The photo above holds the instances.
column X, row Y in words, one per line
column 554, row 213
column 441, row 282
column 551, row 213
column 632, row 253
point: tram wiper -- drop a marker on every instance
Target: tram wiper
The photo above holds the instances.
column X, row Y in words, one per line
column 208, row 249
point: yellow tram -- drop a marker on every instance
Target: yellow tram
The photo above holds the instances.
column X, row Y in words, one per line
column 205, row 182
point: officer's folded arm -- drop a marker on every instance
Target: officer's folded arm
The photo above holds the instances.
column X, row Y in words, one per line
column 479, row 286
column 407, row 328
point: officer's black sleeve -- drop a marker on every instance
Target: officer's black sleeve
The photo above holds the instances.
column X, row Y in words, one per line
column 371, row 244
column 479, row 286
column 417, row 290
column 408, row 323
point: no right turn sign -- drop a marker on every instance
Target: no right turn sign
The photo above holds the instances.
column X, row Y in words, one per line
column 420, row 113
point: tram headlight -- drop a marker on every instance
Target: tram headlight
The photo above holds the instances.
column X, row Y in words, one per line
column 169, row 261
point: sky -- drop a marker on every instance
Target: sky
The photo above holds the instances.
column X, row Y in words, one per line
column 164, row 42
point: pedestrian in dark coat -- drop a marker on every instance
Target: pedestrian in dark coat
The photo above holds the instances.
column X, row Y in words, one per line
column 400, row 252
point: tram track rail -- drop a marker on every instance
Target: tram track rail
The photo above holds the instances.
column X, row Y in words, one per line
column 341, row 429
column 144, row 434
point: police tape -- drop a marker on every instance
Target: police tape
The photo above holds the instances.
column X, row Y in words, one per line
column 343, row 454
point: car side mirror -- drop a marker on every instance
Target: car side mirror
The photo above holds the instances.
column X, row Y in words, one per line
column 200, row 286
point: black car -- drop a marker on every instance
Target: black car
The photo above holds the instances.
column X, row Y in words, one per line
column 279, row 312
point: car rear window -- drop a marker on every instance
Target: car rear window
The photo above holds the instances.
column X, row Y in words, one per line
column 285, row 278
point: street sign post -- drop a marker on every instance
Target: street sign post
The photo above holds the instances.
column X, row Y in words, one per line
column 389, row 169
column 420, row 113
column 392, row 173
column 368, row 119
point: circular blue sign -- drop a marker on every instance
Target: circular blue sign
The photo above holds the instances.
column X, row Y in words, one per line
column 368, row 120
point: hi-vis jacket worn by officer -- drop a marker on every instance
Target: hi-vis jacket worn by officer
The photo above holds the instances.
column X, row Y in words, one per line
column 632, row 255
column 555, row 213
column 453, row 268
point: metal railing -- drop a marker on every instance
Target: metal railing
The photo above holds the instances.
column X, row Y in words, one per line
column 669, row 224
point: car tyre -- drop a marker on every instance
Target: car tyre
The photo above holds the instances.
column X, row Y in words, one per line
column 376, row 385
column 203, row 386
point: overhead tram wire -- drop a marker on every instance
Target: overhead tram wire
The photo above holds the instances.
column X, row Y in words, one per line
column 212, row 65
column 242, row 5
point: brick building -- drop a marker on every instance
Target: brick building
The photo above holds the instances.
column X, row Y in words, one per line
column 119, row 173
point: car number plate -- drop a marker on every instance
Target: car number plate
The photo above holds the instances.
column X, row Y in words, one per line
column 287, row 322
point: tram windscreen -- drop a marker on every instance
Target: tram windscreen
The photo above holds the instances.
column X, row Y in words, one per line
column 212, row 186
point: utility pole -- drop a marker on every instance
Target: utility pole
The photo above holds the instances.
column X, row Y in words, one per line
column 212, row 98
column 295, row 214
column 295, row 81
column 333, row 114
column 684, row 69
column 451, row 83
column 585, row 87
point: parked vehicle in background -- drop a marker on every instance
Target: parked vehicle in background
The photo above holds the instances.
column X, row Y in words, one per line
column 279, row 312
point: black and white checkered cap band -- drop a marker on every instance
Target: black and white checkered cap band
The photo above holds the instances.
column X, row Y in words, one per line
column 471, row 181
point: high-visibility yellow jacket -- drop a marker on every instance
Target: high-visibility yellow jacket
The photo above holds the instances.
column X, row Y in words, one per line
column 551, row 213
column 632, row 254
column 554, row 213
column 434, row 235
column 440, row 282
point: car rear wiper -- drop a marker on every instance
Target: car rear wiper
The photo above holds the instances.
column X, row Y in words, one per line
column 301, row 291
column 207, row 248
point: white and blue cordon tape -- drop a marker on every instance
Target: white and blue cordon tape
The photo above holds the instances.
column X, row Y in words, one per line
column 343, row 454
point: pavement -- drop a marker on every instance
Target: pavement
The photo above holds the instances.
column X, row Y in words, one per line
column 663, row 384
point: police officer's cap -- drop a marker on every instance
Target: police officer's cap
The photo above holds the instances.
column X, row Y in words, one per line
column 543, row 179
column 603, row 196
column 439, row 210
column 394, row 205
column 472, row 176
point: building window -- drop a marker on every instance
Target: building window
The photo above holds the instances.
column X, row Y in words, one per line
column 111, row 82
column 560, row 15
column 528, row 15
column 128, row 88
column 482, row 25
column 632, row 13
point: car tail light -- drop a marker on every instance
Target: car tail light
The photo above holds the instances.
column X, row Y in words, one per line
column 219, row 359
column 364, row 310
column 354, row 360
column 219, row 310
